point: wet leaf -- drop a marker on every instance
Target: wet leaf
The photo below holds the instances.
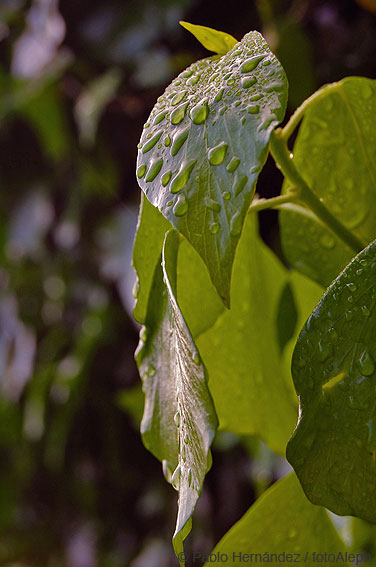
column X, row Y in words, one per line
column 333, row 449
column 204, row 144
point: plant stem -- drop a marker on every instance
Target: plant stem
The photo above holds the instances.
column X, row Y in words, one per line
column 261, row 204
column 299, row 112
column 284, row 161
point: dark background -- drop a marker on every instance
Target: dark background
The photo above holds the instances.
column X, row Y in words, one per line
column 77, row 82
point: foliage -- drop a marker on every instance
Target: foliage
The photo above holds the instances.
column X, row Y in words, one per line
column 200, row 155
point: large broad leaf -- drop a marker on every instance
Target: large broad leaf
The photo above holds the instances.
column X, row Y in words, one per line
column 251, row 391
column 281, row 528
column 333, row 449
column 204, row 144
column 335, row 153
column 151, row 230
column 179, row 420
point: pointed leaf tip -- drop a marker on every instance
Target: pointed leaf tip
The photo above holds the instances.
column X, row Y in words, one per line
column 213, row 40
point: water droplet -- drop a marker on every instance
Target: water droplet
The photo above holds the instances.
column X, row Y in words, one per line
column 177, row 419
column 366, row 363
column 182, row 177
column 255, row 97
column 213, row 205
column 175, row 480
column 181, row 206
column 251, row 63
column 247, row 82
column 366, row 312
column 253, row 109
column 266, row 63
column 159, row 117
column 196, row 358
column 327, row 241
column 366, row 90
column 227, row 195
column 178, row 140
column 188, row 73
column 214, row 227
column 236, row 224
column 151, row 370
column 186, row 438
column 332, row 333
column 178, row 98
column 349, row 315
column 151, row 143
column 217, row 154
column 325, row 350
column 166, row 178
column 350, row 299
column 167, row 470
column 178, row 114
column 233, row 164
column 230, row 82
column 193, row 80
column 155, row 168
column 136, row 289
column 141, row 171
column 167, row 141
column 189, row 477
column 200, row 112
column 352, row 286
column 219, row 95
column 239, row 184
column 143, row 335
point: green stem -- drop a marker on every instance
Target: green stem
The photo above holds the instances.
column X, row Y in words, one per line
column 261, row 204
column 283, row 159
column 300, row 111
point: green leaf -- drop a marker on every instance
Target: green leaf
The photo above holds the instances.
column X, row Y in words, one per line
column 213, row 40
column 205, row 143
column 252, row 393
column 151, row 230
column 281, row 522
column 179, row 420
column 334, row 152
column 333, row 449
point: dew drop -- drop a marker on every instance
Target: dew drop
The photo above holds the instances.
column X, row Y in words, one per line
column 136, row 289
column 178, row 140
column 247, row 82
column 256, row 97
column 187, row 74
column 181, row 206
column 182, row 177
column 175, row 480
column 159, row 117
column 155, row 168
column 327, row 241
column 214, row 227
column 233, row 164
column 230, row 82
column 365, row 311
column 189, row 477
column 251, row 63
column 219, row 95
column 193, row 80
column 325, row 350
column 177, row 419
column 253, row 109
column 151, row 143
column 213, row 205
column 141, row 171
column 178, row 114
column 217, row 154
column 236, row 224
column 366, row 363
column 151, row 370
column 167, row 141
column 239, row 184
column 227, row 195
column 166, row 178
column 200, row 112
column 352, row 286
column 178, row 98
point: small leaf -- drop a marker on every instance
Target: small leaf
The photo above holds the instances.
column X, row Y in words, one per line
column 213, row 40
column 333, row 449
column 179, row 421
column 251, row 392
column 150, row 233
column 338, row 135
column 281, row 522
column 205, row 143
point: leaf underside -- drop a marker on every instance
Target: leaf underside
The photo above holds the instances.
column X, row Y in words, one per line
column 335, row 153
column 179, row 421
column 204, row 144
column 333, row 449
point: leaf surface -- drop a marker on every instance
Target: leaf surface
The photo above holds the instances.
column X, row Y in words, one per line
column 335, row 153
column 252, row 393
column 179, row 420
column 333, row 449
column 214, row 40
column 204, row 144
column 282, row 521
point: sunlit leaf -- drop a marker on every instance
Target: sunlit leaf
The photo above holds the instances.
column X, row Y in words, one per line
column 214, row 40
column 179, row 420
column 204, row 144
column 333, row 449
column 338, row 135
column 281, row 522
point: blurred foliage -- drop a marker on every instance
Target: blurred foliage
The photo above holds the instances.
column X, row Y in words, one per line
column 77, row 81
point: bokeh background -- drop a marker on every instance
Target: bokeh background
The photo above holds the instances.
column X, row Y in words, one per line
column 77, row 81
